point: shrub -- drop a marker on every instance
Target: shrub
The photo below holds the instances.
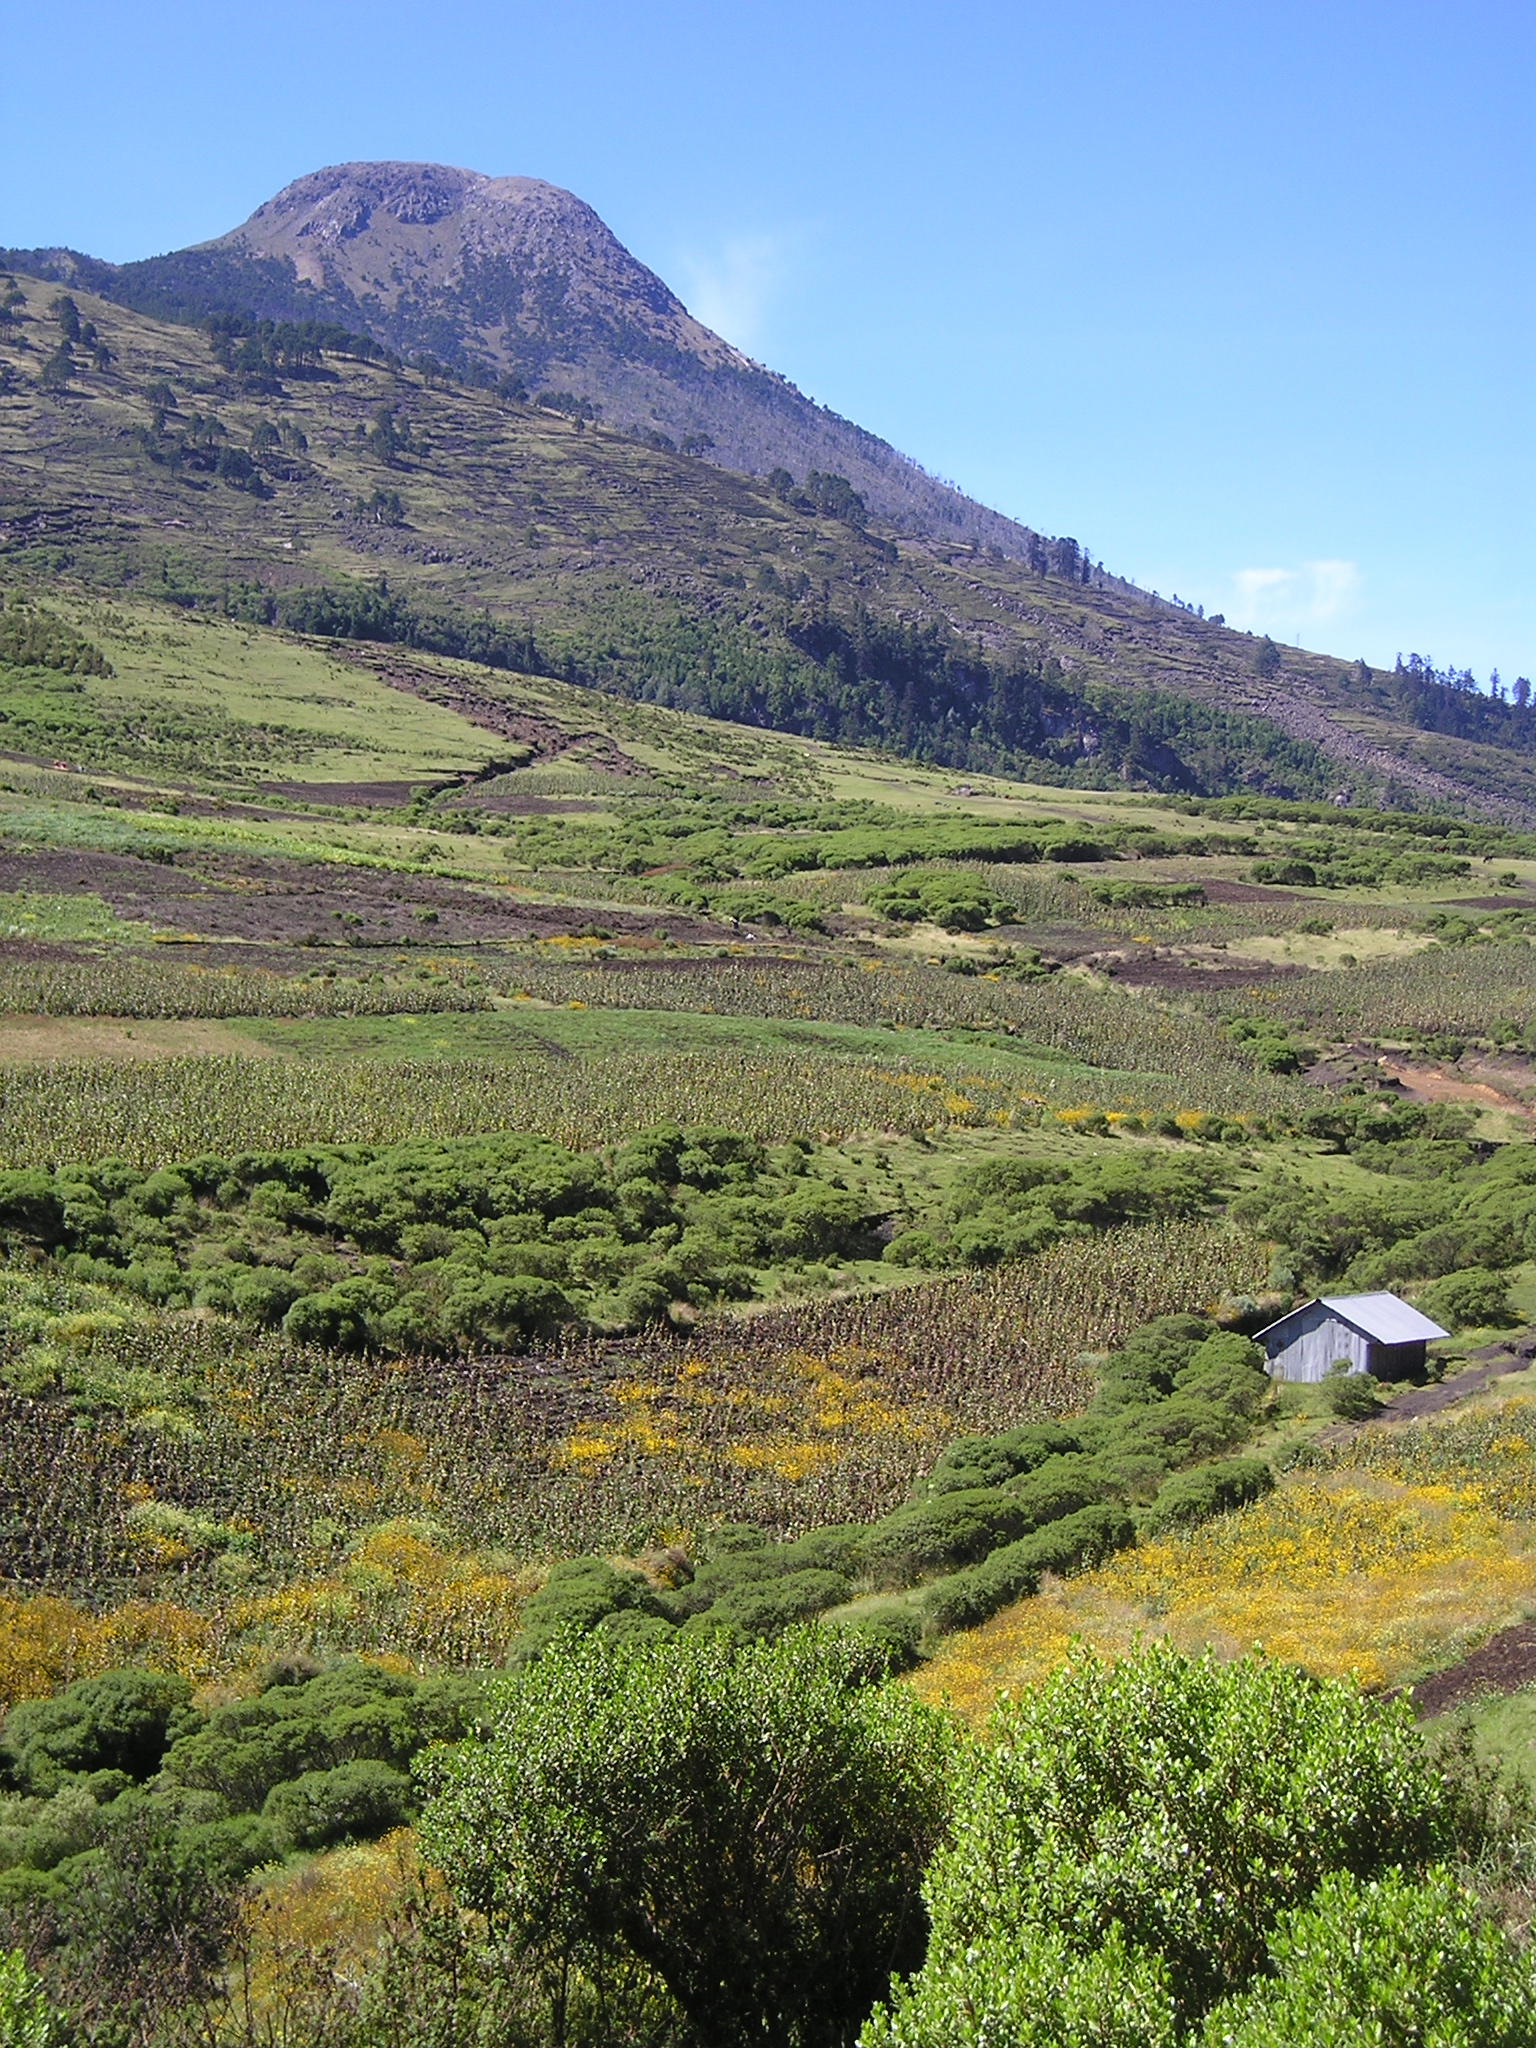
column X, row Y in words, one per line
column 356, row 1800
column 1187, row 1802
column 1472, row 1300
column 1213, row 1489
column 1015, row 1571
column 122, row 1721
column 1034, row 1992
column 1398, row 1959
column 752, row 1823
column 975, row 1461
column 1351, row 1395
column 766, row 1607
column 579, row 1595
column 939, row 1534
column 26, row 2018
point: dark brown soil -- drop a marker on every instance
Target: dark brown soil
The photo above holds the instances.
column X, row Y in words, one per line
column 1505, row 1662
column 296, row 903
column 1250, row 892
column 1151, row 968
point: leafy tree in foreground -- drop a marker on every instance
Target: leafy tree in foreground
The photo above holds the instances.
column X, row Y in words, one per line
column 1396, row 1963
column 26, row 2018
column 1155, row 1818
column 752, row 1824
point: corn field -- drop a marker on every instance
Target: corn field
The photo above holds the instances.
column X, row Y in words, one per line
column 125, row 984
column 152, row 1112
column 266, row 1465
column 1452, row 991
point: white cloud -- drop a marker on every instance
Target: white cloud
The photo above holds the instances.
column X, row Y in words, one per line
column 1289, row 601
column 731, row 290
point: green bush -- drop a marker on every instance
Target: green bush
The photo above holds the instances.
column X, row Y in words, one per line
column 937, row 1535
column 352, row 1713
column 1208, row 1490
column 956, row 902
column 1179, row 1805
column 1399, row 1958
column 750, row 1823
column 435, row 1246
column 123, row 1721
column 975, row 1461
column 1351, row 1396
column 1475, row 1299
column 1034, row 1991
column 27, row 2020
column 1015, row 1571
column 580, row 1594
column 767, row 1606
column 352, row 1802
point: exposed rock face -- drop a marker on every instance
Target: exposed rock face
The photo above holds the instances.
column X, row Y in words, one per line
column 517, row 270
column 524, row 279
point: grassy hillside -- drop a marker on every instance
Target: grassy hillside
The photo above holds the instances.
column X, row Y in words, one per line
column 636, row 1108
column 350, row 497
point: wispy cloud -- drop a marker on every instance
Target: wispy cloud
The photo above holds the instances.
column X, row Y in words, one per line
column 732, row 289
column 1288, row 601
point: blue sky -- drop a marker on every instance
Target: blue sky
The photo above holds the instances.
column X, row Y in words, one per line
column 1241, row 296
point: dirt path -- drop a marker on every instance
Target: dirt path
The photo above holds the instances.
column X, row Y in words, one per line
column 1504, row 1664
column 1433, row 1084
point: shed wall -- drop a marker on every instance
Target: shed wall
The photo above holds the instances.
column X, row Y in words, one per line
column 1310, row 1347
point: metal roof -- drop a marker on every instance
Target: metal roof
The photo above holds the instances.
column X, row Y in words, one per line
column 1384, row 1317
column 1379, row 1316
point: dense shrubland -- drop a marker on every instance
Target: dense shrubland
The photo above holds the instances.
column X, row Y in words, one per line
column 447, row 1245
column 696, row 1841
column 1442, row 1212
column 485, row 1242
column 1007, row 1208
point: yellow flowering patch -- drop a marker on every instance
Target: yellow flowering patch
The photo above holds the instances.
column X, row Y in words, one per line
column 1377, row 1580
column 330, row 1911
column 402, row 1590
column 821, row 1409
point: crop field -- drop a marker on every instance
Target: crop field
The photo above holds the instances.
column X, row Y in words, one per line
column 481, row 1158
column 202, row 1513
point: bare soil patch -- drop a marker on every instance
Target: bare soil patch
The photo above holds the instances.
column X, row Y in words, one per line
column 29, row 1039
column 543, row 736
column 1159, row 967
column 1424, row 1083
column 1250, row 892
column 273, row 901
column 1504, row 1663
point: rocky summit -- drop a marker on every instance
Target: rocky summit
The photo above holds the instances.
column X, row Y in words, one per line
column 514, row 278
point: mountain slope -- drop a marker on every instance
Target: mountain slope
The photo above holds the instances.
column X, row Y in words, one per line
column 340, row 495
column 513, row 277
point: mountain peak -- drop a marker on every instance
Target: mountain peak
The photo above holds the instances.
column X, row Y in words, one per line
column 513, row 278
column 495, row 268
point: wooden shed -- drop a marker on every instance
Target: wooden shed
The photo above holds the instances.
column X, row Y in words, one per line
column 1377, row 1333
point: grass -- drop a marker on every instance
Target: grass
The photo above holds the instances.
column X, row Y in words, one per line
column 192, row 694
column 1369, row 1578
column 1503, row 1730
column 629, row 555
